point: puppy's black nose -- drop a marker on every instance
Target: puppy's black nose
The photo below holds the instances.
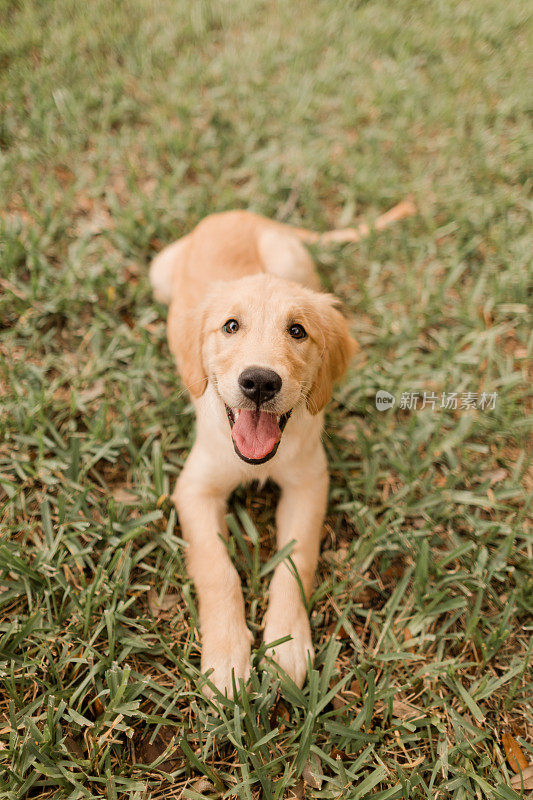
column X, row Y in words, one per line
column 259, row 384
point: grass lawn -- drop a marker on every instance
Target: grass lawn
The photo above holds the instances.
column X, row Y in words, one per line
column 122, row 124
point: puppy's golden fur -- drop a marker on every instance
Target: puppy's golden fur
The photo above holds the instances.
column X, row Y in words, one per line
column 243, row 268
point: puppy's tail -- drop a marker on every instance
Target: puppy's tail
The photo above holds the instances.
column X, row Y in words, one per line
column 400, row 211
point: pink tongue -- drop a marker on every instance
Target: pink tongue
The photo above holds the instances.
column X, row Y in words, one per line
column 256, row 433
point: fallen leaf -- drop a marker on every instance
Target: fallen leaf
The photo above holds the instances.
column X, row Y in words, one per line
column 369, row 598
column 147, row 751
column 98, row 706
column 338, row 754
column 122, row 495
column 338, row 702
column 400, row 709
column 524, row 779
column 159, row 605
column 407, row 636
column 342, row 633
column 74, row 747
column 279, row 712
column 202, row 785
column 312, row 772
column 297, row 792
column 394, row 572
column 403, row 710
column 515, row 756
column 496, row 476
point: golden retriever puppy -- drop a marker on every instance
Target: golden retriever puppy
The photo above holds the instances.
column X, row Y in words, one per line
column 259, row 348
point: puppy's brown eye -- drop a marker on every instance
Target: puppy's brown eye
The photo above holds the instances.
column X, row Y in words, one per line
column 231, row 326
column 297, row 331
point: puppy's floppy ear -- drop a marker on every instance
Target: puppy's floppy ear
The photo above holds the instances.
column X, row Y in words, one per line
column 185, row 329
column 338, row 349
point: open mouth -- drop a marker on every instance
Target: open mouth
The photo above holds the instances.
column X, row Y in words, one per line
column 256, row 434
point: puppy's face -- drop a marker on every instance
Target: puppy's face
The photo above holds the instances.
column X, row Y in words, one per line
column 268, row 346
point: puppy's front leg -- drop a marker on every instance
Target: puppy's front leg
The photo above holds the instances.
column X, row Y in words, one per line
column 299, row 516
column 226, row 640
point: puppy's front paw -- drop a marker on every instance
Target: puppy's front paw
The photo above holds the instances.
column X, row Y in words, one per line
column 227, row 653
column 292, row 655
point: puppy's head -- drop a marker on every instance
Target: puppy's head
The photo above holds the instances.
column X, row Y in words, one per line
column 267, row 346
